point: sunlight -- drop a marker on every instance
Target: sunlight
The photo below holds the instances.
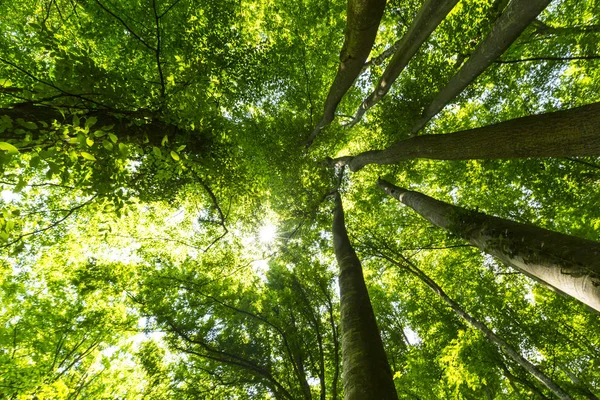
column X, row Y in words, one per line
column 267, row 233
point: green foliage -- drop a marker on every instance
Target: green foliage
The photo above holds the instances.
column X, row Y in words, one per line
column 144, row 145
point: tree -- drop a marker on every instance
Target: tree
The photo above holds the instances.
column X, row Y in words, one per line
column 166, row 233
column 559, row 134
column 508, row 27
column 362, row 23
column 566, row 263
column 501, row 343
column 366, row 370
column 429, row 17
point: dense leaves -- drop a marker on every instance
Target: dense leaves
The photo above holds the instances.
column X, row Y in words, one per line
column 165, row 232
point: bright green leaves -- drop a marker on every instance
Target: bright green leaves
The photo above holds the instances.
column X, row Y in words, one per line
column 88, row 156
column 8, row 148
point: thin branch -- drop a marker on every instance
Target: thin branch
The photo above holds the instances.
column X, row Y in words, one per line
column 169, row 9
column 51, row 226
column 221, row 215
column 142, row 41
column 157, row 50
column 39, row 184
column 387, row 53
column 559, row 59
column 589, row 164
column 50, row 84
column 158, row 239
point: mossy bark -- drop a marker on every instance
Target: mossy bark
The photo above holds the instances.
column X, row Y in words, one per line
column 574, row 132
column 362, row 23
column 365, row 369
column 568, row 264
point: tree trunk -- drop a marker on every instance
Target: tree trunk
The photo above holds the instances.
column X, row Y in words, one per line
column 488, row 333
column 362, row 22
column 429, row 17
column 581, row 387
column 574, row 132
column 566, row 263
column 509, row 26
column 366, row 372
column 134, row 127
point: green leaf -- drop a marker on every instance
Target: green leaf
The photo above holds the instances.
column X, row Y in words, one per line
column 157, row 152
column 34, row 162
column 88, row 156
column 75, row 120
column 89, row 122
column 27, row 124
column 89, row 141
column 9, row 148
column 99, row 133
column 113, row 137
column 180, row 148
column 123, row 149
column 175, row 155
column 107, row 145
column 164, row 141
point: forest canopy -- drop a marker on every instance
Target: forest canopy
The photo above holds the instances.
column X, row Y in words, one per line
column 263, row 199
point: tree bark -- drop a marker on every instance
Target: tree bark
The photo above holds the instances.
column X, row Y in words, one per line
column 366, row 372
column 431, row 14
column 509, row 26
column 487, row 332
column 574, row 132
column 566, row 263
column 139, row 128
column 362, row 22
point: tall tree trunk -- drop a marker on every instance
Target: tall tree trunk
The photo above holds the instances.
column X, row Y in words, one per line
column 430, row 15
column 362, row 23
column 509, row 26
column 574, row 132
column 566, row 263
column 366, row 372
column 509, row 350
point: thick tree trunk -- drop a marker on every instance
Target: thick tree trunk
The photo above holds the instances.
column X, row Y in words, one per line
column 429, row 17
column 365, row 369
column 574, row 132
column 509, row 26
column 487, row 332
column 362, row 22
column 566, row 263
column 134, row 127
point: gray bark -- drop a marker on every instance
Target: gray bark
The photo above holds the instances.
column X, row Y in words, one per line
column 429, row 17
column 366, row 373
column 566, row 263
column 509, row 26
column 574, row 132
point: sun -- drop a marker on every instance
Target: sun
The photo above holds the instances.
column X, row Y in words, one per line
column 267, row 233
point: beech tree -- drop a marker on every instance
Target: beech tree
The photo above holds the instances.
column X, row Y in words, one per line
column 366, row 370
column 566, row 263
column 165, row 231
column 559, row 134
